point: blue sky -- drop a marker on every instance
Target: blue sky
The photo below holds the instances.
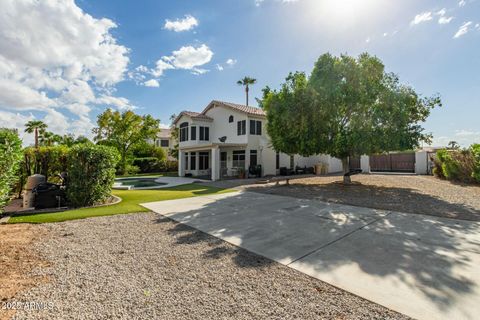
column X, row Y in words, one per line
column 66, row 61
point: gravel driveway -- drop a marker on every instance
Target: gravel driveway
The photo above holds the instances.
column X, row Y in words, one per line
column 143, row 266
column 405, row 193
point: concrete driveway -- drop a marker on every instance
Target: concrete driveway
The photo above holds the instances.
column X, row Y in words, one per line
column 422, row 266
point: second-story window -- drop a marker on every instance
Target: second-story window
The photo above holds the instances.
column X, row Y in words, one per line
column 184, row 131
column 193, row 133
column 230, row 119
column 164, row 143
column 242, row 127
column 204, row 133
column 256, row 127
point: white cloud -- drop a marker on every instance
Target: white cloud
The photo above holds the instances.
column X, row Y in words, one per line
column 186, row 58
column 464, row 28
column 56, row 58
column 117, row 102
column 153, row 83
column 164, row 126
column 199, row 71
column 464, row 137
column 462, row 3
column 445, row 20
column 187, row 23
column 160, row 68
column 422, row 17
column 441, row 12
column 190, row 57
column 231, row 62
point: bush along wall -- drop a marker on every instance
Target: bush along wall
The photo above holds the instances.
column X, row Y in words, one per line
column 459, row 165
column 476, row 156
column 10, row 157
column 91, row 173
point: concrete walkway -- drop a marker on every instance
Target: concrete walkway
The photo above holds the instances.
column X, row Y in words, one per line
column 422, row 266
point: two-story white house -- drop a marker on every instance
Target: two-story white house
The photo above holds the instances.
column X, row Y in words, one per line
column 227, row 138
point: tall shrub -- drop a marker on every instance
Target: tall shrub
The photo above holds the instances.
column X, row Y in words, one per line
column 10, row 157
column 48, row 161
column 91, row 170
column 456, row 165
column 476, row 156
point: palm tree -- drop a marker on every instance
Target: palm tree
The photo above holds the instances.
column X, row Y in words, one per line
column 46, row 138
column 246, row 81
column 35, row 126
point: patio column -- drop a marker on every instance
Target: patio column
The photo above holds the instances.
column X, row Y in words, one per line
column 215, row 163
column 247, row 161
column 181, row 163
column 197, row 161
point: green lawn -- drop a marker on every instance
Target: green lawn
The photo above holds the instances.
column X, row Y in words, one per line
column 130, row 203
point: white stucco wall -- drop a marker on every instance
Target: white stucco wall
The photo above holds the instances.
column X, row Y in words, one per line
column 222, row 127
column 421, row 162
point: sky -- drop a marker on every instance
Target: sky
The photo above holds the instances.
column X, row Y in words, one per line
column 65, row 61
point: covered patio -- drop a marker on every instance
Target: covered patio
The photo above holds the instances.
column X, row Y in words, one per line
column 217, row 161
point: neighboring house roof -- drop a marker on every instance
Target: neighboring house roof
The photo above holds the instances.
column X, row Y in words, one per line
column 164, row 133
column 235, row 106
column 193, row 115
column 253, row 111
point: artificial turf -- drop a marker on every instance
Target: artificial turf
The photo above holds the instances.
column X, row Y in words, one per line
column 129, row 204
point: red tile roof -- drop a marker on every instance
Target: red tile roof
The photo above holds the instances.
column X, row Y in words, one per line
column 192, row 114
column 254, row 111
column 240, row 107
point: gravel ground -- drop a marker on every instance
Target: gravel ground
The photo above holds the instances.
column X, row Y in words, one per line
column 17, row 259
column 143, row 266
column 405, row 193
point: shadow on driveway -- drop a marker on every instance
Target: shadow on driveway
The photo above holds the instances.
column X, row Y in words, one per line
column 415, row 257
column 377, row 197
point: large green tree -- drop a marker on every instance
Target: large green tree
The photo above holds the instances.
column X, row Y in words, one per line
column 124, row 130
column 347, row 107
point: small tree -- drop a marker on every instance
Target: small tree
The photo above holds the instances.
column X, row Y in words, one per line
column 91, row 173
column 10, row 157
column 125, row 130
column 347, row 107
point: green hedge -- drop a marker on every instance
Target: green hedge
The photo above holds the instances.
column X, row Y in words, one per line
column 458, row 165
column 152, row 164
column 10, row 157
column 91, row 173
column 476, row 156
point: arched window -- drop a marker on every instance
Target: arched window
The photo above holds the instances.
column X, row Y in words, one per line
column 184, row 131
column 230, row 119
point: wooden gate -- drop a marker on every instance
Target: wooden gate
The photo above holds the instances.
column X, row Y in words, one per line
column 354, row 163
column 393, row 162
